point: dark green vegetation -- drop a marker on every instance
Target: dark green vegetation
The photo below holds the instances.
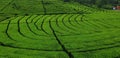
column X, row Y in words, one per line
column 57, row 29
column 108, row 4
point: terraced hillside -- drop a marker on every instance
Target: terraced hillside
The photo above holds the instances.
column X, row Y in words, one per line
column 39, row 7
column 61, row 36
column 10, row 8
column 57, row 29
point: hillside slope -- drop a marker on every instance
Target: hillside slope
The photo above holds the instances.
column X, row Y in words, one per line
column 20, row 7
column 10, row 8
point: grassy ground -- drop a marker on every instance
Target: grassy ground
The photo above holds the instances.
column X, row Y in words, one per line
column 57, row 30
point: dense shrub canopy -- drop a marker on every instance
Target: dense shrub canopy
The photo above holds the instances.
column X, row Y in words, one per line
column 98, row 3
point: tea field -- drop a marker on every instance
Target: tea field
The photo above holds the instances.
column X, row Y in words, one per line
column 49, row 33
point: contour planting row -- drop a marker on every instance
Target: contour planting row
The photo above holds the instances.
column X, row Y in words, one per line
column 23, row 46
column 63, row 24
column 103, row 31
column 21, row 32
column 72, row 35
column 104, row 39
column 89, row 42
column 72, row 24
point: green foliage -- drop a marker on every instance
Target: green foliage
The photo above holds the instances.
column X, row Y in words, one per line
column 99, row 3
column 94, row 35
column 57, row 29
